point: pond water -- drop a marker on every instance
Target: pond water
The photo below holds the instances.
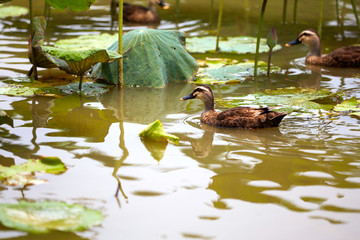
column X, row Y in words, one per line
column 298, row 181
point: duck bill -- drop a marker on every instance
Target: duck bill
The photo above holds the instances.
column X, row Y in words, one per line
column 292, row 43
column 190, row 96
column 164, row 5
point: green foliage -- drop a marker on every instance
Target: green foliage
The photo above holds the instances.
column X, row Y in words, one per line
column 24, row 174
column 155, row 132
column 12, row 11
column 349, row 105
column 287, row 99
column 272, row 38
column 5, row 119
column 152, row 58
column 228, row 71
column 241, row 45
column 42, row 217
column 75, row 6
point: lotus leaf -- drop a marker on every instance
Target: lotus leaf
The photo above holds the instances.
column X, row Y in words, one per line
column 351, row 104
column 24, row 174
column 152, row 58
column 12, row 11
column 5, row 119
column 229, row 71
column 289, row 99
column 42, row 217
column 155, row 132
column 83, row 42
column 241, row 45
column 75, row 6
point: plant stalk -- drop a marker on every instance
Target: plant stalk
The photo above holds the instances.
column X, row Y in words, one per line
column 295, row 11
column 355, row 12
column 284, row 12
column 269, row 60
column 221, row 7
column 262, row 13
column 121, row 76
column 34, row 68
column 320, row 17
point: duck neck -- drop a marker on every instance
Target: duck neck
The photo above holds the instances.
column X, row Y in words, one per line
column 315, row 49
column 152, row 6
column 208, row 103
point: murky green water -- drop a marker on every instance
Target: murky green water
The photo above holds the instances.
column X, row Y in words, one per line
column 298, row 181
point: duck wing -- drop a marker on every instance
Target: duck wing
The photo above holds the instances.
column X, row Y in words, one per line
column 134, row 13
column 346, row 56
column 247, row 117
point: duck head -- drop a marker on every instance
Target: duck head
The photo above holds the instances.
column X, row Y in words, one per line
column 205, row 94
column 161, row 3
column 310, row 38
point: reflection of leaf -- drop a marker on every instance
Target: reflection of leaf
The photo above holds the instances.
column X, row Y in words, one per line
column 12, row 11
column 157, row 149
column 88, row 89
column 23, row 174
column 240, row 45
column 155, row 132
column 229, row 71
column 75, row 6
column 83, row 42
column 351, row 104
column 152, row 58
column 42, row 217
column 291, row 99
column 5, row 119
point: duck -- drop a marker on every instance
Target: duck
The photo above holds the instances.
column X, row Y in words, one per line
column 140, row 14
column 341, row 57
column 238, row 117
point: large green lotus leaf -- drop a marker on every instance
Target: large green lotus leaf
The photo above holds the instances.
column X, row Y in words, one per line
column 289, row 99
column 240, row 45
column 12, row 11
column 5, row 119
column 152, row 58
column 79, row 61
column 23, row 174
column 74, row 5
column 101, row 41
column 42, row 217
column 351, row 104
column 155, row 132
column 229, row 71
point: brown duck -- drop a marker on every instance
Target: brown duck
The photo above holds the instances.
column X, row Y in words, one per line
column 341, row 57
column 140, row 14
column 238, row 117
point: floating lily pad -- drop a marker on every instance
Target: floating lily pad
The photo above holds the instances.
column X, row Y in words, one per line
column 42, row 217
column 229, row 71
column 155, row 132
column 88, row 89
column 24, row 174
column 349, row 105
column 75, row 6
column 12, row 11
column 152, row 58
column 5, row 119
column 240, row 45
column 287, row 99
column 102, row 41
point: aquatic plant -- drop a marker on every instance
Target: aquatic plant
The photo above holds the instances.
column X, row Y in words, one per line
column 271, row 42
column 262, row 13
column 155, row 132
column 221, row 7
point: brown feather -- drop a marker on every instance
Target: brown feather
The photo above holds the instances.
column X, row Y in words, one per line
column 238, row 117
column 139, row 14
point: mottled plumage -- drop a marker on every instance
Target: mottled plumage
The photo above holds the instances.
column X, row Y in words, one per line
column 238, row 117
column 341, row 57
column 140, row 14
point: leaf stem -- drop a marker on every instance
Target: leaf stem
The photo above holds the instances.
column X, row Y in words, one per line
column 259, row 35
column 121, row 76
column 221, row 7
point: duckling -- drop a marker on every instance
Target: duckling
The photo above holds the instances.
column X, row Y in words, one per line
column 140, row 14
column 238, row 117
column 341, row 57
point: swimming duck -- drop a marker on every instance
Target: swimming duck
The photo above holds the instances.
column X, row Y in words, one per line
column 140, row 14
column 238, row 117
column 341, row 57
